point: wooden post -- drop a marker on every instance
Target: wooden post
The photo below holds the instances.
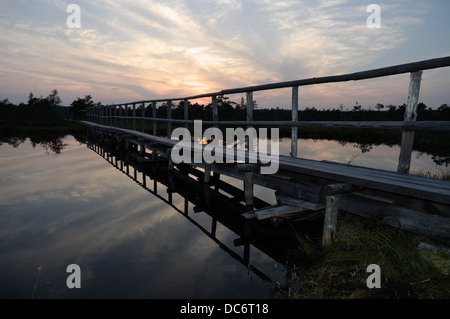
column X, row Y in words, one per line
column 143, row 116
column 134, row 117
column 404, row 160
column 249, row 97
column 126, row 115
column 330, row 221
column 121, row 113
column 154, row 116
column 170, row 172
column 169, row 117
column 215, row 111
column 186, row 113
column 206, row 182
column 115, row 116
column 248, row 190
column 294, row 133
column 141, row 146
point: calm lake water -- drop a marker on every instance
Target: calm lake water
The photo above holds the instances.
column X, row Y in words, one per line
column 130, row 241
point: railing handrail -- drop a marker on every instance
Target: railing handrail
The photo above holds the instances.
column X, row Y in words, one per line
column 363, row 75
column 105, row 113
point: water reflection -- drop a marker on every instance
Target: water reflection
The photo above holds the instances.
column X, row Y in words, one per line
column 159, row 240
column 129, row 242
column 373, row 155
column 222, row 203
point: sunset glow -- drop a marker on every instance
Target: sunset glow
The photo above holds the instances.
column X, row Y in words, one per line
column 135, row 50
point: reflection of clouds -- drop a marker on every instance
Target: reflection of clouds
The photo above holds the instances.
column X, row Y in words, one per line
column 380, row 156
column 88, row 213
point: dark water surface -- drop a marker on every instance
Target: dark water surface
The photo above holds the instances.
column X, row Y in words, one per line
column 64, row 202
column 76, row 208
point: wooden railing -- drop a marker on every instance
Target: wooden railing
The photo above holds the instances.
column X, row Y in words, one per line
column 116, row 114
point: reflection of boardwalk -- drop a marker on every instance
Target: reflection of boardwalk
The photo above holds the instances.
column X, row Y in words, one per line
column 222, row 209
column 412, row 203
column 409, row 202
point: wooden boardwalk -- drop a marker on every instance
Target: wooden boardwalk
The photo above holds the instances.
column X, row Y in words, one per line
column 412, row 203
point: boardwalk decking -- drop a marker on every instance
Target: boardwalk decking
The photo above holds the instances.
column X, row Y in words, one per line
column 412, row 203
column 409, row 202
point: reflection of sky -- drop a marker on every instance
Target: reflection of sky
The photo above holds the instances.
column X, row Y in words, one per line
column 76, row 208
column 380, row 156
column 56, row 210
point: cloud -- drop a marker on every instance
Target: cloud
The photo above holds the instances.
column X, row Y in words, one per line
column 156, row 49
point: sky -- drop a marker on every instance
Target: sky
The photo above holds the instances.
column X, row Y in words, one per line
column 127, row 51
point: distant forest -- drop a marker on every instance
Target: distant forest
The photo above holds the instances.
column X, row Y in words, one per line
column 48, row 111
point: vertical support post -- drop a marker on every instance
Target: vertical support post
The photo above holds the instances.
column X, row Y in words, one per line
column 143, row 118
column 215, row 111
column 115, row 114
column 134, row 117
column 120, row 113
column 110, row 116
column 206, row 182
column 126, row 115
column 248, row 190
column 213, row 227
column 186, row 113
column 249, row 98
column 404, row 160
column 294, row 133
column 154, row 116
column 186, row 207
column 169, row 117
column 330, row 221
column 170, row 172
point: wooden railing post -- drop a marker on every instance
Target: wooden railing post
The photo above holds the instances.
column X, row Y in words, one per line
column 154, row 116
column 115, row 114
column 404, row 160
column 215, row 110
column 294, row 133
column 143, row 118
column 169, row 117
column 126, row 115
column 249, row 98
column 186, row 113
column 120, row 114
column 134, row 117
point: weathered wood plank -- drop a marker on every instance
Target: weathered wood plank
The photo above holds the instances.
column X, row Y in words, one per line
column 273, row 211
column 284, row 199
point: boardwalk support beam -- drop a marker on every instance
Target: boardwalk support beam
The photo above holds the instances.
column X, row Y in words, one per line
column 332, row 193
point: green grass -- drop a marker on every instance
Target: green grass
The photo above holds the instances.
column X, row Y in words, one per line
column 339, row 271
